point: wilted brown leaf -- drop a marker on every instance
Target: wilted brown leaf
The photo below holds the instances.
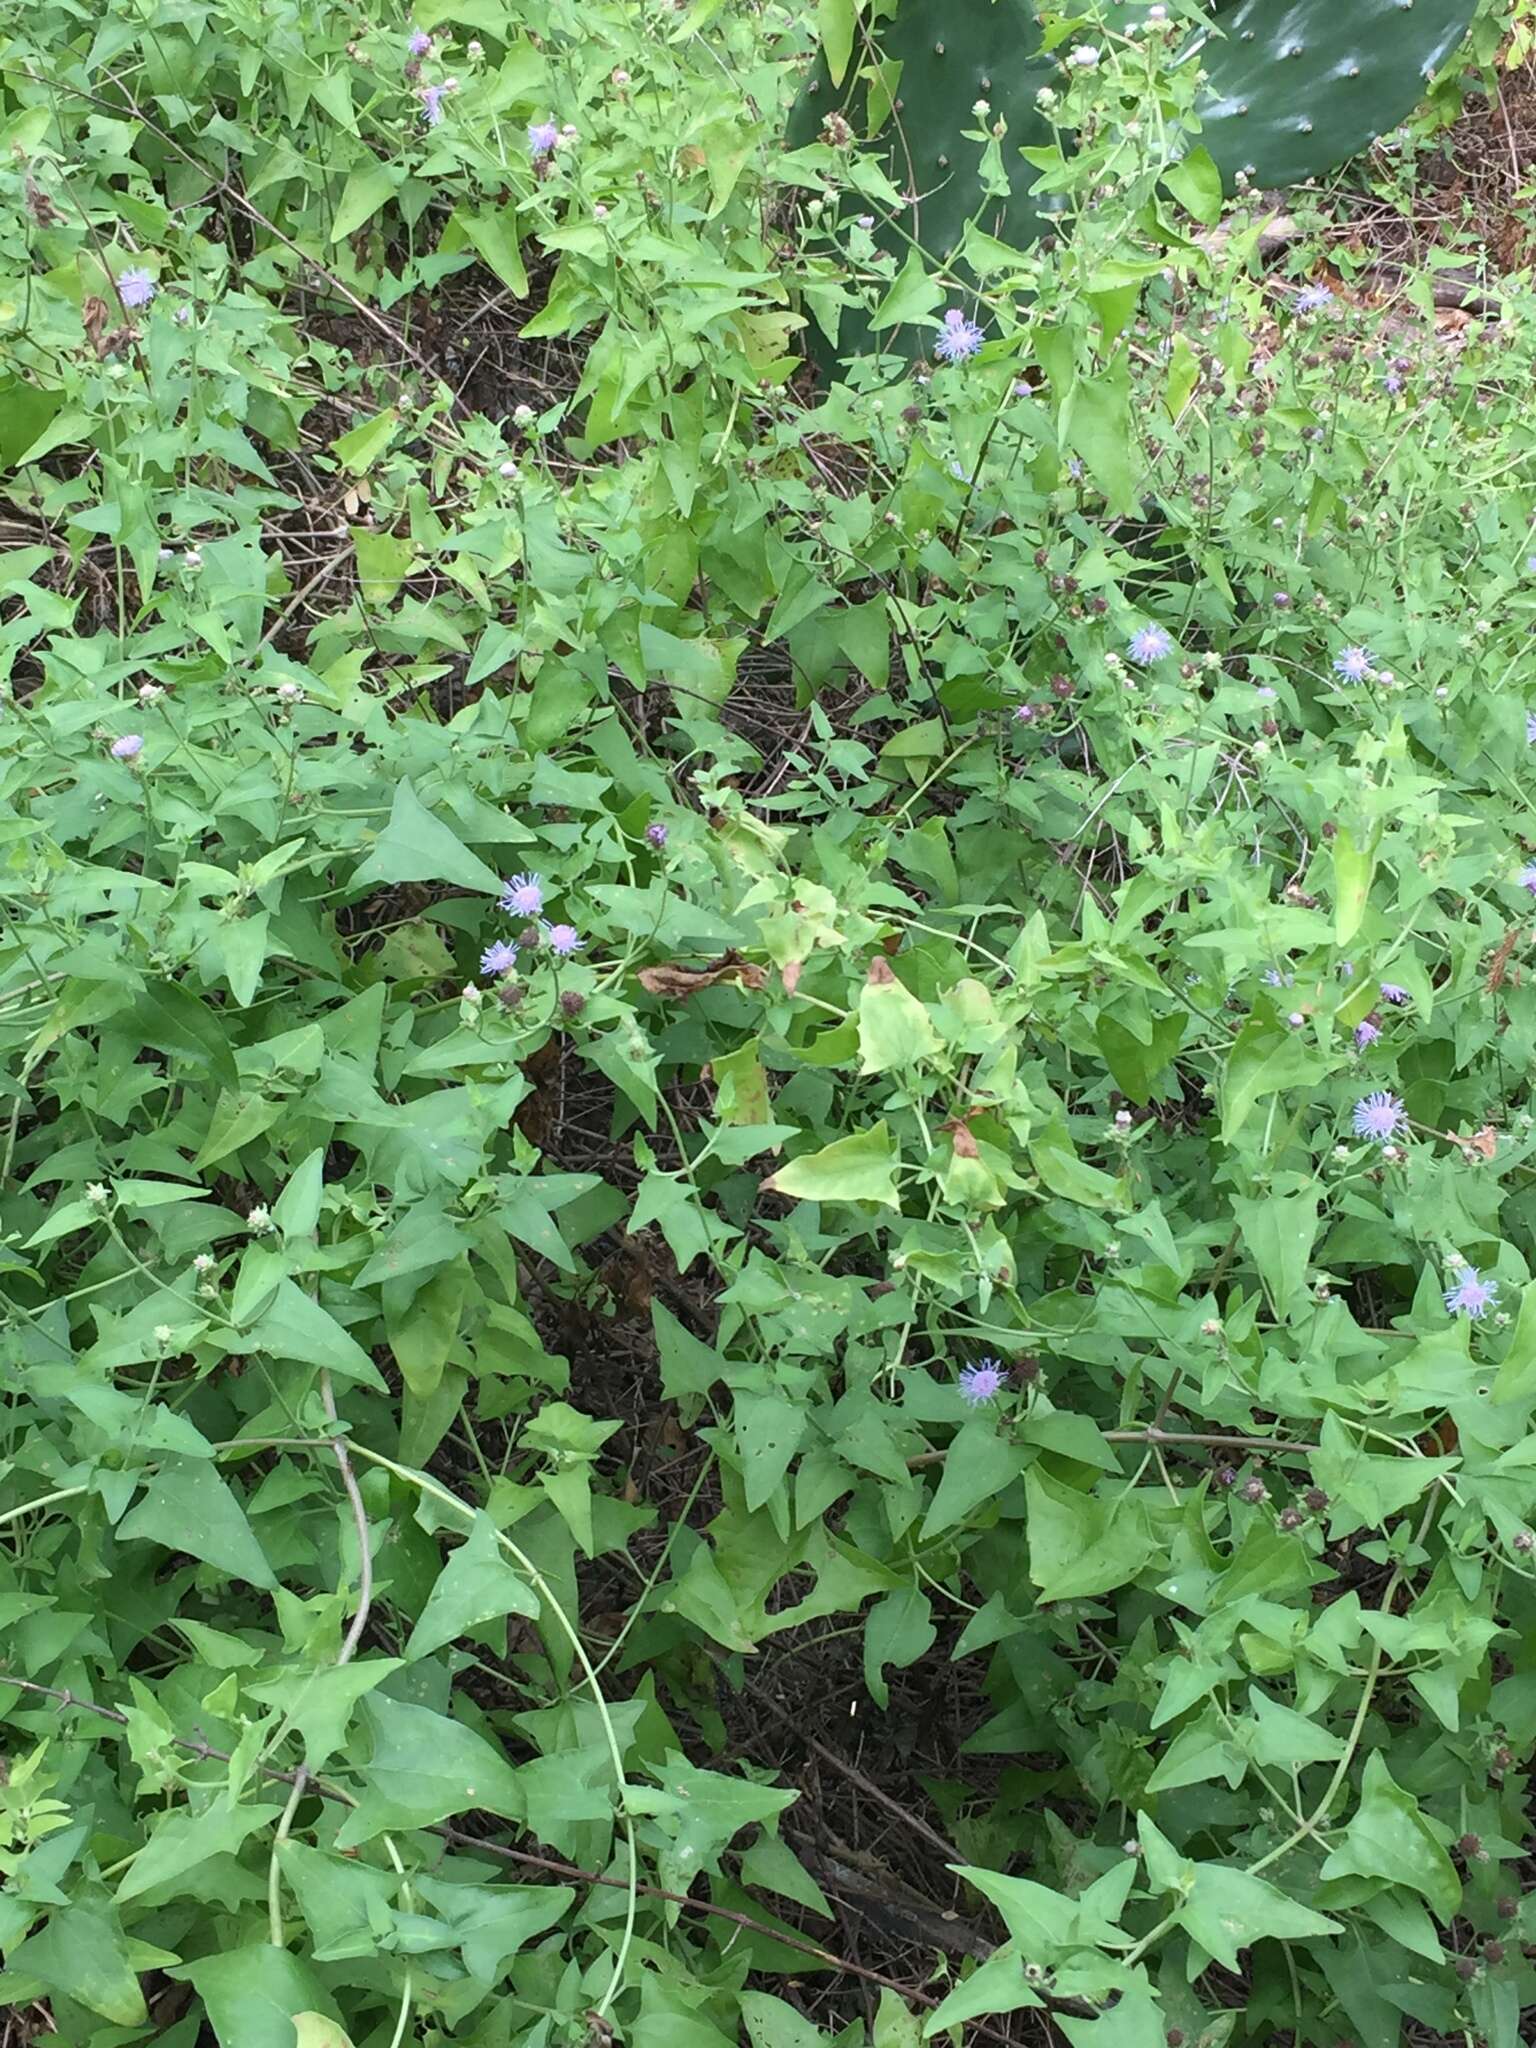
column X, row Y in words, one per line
column 678, row 983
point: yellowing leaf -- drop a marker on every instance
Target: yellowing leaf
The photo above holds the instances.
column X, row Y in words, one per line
column 894, row 1027
column 860, row 1168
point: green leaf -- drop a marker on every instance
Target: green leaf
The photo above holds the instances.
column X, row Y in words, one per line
column 895, row 1029
column 492, row 231
column 836, row 21
column 859, row 1168
column 1096, row 425
column 896, row 2026
column 320, row 1702
column 297, row 1327
column 183, row 1841
column 254, row 1994
column 188, row 1507
column 1390, row 1838
column 768, row 1430
column 1079, row 1543
column 366, row 190
column 1196, row 184
column 417, row 847
column 1516, row 1378
column 897, row 1630
column 1229, row 1909
column 977, row 1466
column 476, row 1585
column 1353, row 867
column 82, row 1954
column 488, row 1924
column 424, row 1767
column 770, row 2023
column 911, row 297
column 1280, row 1231
column 384, row 560
column 360, row 448
column 1265, row 1057
column 166, row 1016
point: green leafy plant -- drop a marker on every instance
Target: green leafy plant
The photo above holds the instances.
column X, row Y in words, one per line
column 701, row 1082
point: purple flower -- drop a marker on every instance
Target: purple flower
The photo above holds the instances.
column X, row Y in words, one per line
column 1354, row 664
column 1530, row 728
column 981, row 1382
column 1393, row 992
column 563, row 940
column 1472, row 1295
column 959, row 338
column 1527, row 877
column 129, row 747
column 1346, row 970
column 1379, row 1115
column 432, row 104
column 1276, row 979
column 1025, row 715
column 523, row 896
column 419, row 43
column 500, row 958
column 656, row 835
column 1149, row 644
column 1366, row 1033
column 1312, row 298
column 135, row 288
column 1392, row 383
column 542, row 137
column 1264, row 693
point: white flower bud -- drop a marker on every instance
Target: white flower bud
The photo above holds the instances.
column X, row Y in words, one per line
column 259, row 1219
column 97, row 1194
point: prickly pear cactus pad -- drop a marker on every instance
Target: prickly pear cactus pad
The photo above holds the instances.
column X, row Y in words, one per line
column 1294, row 90
column 950, row 56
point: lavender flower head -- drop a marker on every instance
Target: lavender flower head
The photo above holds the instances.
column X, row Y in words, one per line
column 523, row 896
column 1278, row 980
column 1149, row 644
column 1366, row 1033
column 1394, row 993
column 1472, row 1296
column 656, row 835
column 981, row 1382
column 563, row 940
column 959, row 338
column 431, row 104
column 1527, row 877
column 1392, row 383
column 1379, row 1115
column 1530, row 728
column 1025, row 715
column 542, row 137
column 419, row 43
column 499, row 958
column 129, row 747
column 1312, row 298
column 1354, row 664
column 135, row 288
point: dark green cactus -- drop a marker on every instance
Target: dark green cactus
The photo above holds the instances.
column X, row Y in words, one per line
column 1294, row 88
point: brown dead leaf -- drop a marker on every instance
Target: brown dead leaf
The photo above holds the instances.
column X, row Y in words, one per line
column 790, row 975
column 678, row 983
column 1483, row 1143
column 879, row 972
column 94, row 315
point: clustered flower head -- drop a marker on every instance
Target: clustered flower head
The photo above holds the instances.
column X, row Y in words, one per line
column 1527, row 877
column 959, row 338
column 1149, row 644
column 1472, row 1296
column 656, row 835
column 523, row 896
column 1354, row 664
column 542, row 137
column 129, row 747
column 563, row 940
column 419, row 43
column 135, row 288
column 1379, row 1115
column 982, row 1381
column 499, row 958
column 432, row 104
column 1394, row 993
column 1366, row 1033
column 1530, row 728
column 1313, row 298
